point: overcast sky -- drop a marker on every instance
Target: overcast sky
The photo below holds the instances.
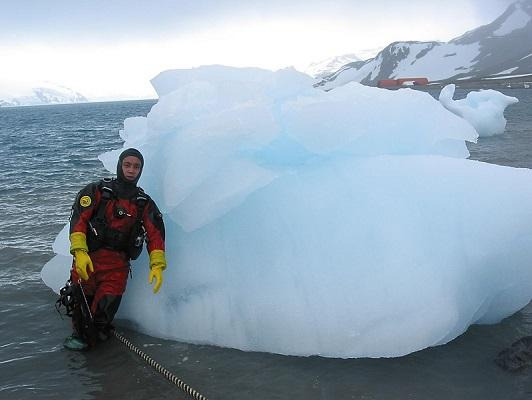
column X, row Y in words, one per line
column 111, row 49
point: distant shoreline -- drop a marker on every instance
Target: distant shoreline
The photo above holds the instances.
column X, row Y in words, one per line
column 517, row 82
column 73, row 104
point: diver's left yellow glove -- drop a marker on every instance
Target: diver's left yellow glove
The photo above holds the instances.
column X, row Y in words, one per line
column 157, row 266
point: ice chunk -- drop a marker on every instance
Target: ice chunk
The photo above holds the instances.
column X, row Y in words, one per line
column 483, row 109
column 61, row 243
column 365, row 121
column 136, row 127
column 267, row 122
column 168, row 81
column 346, row 223
column 55, row 272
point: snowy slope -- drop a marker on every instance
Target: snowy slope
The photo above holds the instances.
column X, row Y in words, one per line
column 501, row 47
column 42, row 94
column 326, row 67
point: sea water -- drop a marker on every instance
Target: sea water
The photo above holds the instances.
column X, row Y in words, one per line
column 48, row 153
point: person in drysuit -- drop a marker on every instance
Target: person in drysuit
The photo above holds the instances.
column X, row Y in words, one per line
column 109, row 223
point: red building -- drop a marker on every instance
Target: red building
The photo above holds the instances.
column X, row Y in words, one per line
column 384, row 83
column 401, row 82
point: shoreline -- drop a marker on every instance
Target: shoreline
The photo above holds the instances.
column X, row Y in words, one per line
column 518, row 82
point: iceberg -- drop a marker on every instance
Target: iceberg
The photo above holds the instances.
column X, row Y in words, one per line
column 483, row 109
column 347, row 223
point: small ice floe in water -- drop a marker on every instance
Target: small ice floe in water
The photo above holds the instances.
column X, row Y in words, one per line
column 483, row 109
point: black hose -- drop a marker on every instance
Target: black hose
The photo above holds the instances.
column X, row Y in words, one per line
column 159, row 368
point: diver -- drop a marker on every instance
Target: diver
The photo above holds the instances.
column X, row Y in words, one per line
column 109, row 223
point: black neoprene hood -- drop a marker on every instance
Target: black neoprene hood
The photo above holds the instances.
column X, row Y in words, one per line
column 126, row 153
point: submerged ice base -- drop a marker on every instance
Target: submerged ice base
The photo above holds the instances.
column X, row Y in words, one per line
column 343, row 224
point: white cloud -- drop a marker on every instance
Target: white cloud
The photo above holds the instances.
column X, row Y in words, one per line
column 269, row 37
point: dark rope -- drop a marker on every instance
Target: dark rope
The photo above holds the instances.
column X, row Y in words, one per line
column 159, row 368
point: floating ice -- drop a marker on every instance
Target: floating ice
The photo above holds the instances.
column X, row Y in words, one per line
column 484, row 109
column 346, row 223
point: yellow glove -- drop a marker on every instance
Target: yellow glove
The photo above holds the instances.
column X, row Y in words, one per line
column 78, row 241
column 157, row 266
column 79, row 249
column 83, row 262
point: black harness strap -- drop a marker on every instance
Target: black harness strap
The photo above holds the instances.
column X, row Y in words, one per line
column 107, row 194
column 138, row 233
column 98, row 223
column 141, row 201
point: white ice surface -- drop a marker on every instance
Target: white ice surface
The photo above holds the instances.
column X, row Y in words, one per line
column 346, row 223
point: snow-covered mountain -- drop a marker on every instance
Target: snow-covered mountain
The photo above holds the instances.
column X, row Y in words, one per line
column 326, row 67
column 503, row 47
column 40, row 95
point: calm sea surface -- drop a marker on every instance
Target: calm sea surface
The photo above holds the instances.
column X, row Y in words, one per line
column 47, row 153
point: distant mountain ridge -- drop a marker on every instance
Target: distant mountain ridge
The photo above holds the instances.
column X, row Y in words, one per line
column 329, row 65
column 42, row 95
column 503, row 47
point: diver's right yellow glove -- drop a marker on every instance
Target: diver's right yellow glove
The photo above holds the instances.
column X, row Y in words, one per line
column 83, row 262
column 79, row 249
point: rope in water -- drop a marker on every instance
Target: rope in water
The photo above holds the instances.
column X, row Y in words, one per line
column 159, row 368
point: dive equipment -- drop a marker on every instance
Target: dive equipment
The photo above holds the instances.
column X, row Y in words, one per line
column 77, row 307
column 101, row 235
